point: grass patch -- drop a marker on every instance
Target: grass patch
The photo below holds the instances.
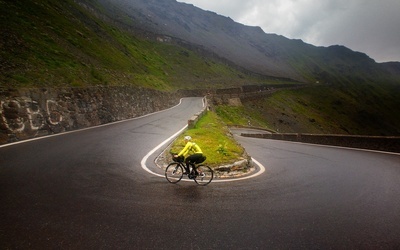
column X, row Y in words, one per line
column 214, row 138
column 328, row 109
column 242, row 115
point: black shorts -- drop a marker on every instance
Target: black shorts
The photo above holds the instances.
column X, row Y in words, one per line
column 195, row 158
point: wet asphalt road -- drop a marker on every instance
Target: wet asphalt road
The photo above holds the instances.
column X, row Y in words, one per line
column 87, row 190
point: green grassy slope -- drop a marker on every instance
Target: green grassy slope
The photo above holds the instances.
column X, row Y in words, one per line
column 59, row 43
column 212, row 135
column 367, row 109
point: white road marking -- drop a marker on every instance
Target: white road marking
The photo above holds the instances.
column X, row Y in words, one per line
column 144, row 166
column 143, row 162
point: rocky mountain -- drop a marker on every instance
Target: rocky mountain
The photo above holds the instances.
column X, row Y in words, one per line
column 247, row 47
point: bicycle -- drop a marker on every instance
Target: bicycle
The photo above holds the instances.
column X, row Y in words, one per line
column 201, row 174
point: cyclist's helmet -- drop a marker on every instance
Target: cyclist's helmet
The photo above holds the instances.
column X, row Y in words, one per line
column 188, row 138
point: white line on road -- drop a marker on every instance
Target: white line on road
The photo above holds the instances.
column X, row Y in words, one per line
column 143, row 162
column 144, row 166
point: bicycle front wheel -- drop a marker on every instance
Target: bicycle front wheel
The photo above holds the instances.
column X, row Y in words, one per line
column 174, row 172
column 205, row 175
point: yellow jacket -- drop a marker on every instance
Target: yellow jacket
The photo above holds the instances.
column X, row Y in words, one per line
column 192, row 148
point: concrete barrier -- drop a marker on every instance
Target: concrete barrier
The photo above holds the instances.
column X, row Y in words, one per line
column 196, row 117
column 380, row 143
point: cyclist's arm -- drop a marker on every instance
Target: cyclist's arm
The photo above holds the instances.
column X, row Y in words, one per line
column 197, row 149
column 185, row 149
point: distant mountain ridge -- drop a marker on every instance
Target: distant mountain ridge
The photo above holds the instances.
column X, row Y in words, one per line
column 248, row 47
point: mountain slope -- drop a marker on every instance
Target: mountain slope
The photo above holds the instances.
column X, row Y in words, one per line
column 166, row 45
column 248, row 47
column 157, row 42
column 68, row 43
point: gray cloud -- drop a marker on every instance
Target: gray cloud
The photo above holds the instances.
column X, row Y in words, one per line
column 367, row 26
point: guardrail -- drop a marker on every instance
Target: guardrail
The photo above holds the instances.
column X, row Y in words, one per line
column 380, row 143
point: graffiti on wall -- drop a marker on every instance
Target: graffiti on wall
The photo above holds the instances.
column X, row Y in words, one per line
column 30, row 113
column 25, row 115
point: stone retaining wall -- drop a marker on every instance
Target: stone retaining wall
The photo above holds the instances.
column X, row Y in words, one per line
column 29, row 113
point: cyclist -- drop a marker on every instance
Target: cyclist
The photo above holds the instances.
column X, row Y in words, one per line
column 196, row 155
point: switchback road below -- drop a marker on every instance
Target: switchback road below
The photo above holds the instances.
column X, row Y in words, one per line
column 88, row 190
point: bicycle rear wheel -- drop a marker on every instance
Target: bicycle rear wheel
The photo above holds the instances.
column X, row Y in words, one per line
column 205, row 176
column 174, row 172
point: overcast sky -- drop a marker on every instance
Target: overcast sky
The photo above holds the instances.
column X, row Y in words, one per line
column 368, row 26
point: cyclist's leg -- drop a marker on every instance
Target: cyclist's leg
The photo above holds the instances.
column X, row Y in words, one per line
column 188, row 163
column 194, row 171
column 193, row 159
